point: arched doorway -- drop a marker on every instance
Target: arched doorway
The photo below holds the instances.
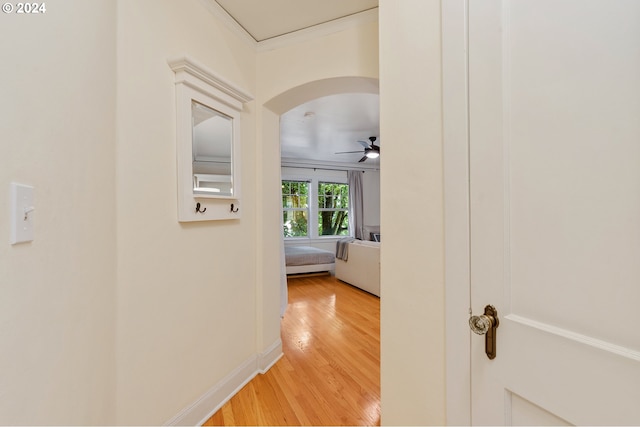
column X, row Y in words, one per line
column 271, row 276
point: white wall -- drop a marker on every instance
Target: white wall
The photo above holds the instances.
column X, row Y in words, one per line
column 186, row 292
column 110, row 259
column 412, row 253
column 57, row 133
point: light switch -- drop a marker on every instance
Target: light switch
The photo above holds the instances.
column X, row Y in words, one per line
column 22, row 213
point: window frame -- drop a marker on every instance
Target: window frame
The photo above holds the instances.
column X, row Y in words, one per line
column 314, row 209
column 307, row 210
column 319, row 209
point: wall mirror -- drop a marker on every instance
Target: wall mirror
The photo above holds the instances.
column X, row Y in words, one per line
column 212, row 151
column 208, row 114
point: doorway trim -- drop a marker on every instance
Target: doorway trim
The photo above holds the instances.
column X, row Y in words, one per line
column 455, row 122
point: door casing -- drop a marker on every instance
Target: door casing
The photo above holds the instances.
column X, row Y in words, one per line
column 456, row 191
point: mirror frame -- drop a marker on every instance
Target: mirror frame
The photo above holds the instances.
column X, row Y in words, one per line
column 194, row 82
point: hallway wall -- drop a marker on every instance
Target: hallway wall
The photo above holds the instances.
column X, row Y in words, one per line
column 57, row 134
column 186, row 291
column 412, row 254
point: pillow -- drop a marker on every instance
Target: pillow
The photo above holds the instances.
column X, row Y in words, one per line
column 369, row 230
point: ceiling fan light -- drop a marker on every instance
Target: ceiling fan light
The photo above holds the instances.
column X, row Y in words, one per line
column 372, row 154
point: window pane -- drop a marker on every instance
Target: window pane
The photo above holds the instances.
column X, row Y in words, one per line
column 293, row 201
column 295, row 194
column 333, row 196
column 333, row 223
column 333, row 204
column 295, row 223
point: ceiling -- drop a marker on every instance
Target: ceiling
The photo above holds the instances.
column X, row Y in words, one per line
column 320, row 128
column 266, row 19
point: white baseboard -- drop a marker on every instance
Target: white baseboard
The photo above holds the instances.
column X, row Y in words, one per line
column 204, row 407
column 269, row 357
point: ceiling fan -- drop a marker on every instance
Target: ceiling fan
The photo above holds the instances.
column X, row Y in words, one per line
column 371, row 151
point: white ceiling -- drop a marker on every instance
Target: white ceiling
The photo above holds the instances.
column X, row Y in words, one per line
column 320, row 128
column 265, row 19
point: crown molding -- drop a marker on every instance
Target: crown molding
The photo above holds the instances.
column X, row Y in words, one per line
column 237, row 29
column 299, row 36
column 319, row 30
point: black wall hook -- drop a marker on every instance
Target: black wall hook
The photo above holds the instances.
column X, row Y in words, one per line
column 234, row 210
column 198, row 208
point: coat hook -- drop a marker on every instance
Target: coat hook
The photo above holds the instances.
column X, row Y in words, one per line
column 234, row 210
column 198, row 208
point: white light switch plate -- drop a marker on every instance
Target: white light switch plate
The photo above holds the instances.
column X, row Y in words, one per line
column 22, row 213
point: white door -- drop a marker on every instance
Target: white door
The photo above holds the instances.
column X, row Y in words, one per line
column 554, row 160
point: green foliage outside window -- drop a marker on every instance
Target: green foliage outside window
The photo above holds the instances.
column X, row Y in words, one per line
column 295, row 204
column 333, row 208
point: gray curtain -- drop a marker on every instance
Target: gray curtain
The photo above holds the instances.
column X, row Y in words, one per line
column 356, row 206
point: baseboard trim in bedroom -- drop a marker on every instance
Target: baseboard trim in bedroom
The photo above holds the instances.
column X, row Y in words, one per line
column 212, row 400
column 318, row 273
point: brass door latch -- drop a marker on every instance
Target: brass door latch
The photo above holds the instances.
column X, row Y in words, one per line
column 486, row 325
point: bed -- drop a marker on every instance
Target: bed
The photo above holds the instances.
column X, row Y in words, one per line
column 307, row 259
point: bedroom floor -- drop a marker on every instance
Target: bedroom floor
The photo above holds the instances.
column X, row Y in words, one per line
column 330, row 371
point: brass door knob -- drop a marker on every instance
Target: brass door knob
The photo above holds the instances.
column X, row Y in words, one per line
column 486, row 325
column 480, row 324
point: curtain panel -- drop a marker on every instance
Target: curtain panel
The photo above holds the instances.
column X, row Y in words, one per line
column 356, row 204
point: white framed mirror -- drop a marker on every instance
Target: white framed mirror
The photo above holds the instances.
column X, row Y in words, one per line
column 208, row 143
column 212, row 151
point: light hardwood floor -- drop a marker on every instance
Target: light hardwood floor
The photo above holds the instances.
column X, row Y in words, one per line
column 330, row 371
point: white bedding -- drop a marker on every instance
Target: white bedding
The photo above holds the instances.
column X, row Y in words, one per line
column 307, row 259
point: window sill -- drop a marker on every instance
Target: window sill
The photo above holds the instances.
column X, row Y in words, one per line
column 314, row 239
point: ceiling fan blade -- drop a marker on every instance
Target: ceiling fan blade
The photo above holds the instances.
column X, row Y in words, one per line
column 364, row 144
column 363, row 159
column 348, row 152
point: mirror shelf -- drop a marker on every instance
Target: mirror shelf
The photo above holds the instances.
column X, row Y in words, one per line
column 192, row 73
column 208, row 113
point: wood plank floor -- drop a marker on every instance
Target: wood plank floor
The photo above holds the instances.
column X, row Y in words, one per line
column 330, row 371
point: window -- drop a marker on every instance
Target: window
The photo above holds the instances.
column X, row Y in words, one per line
column 333, row 209
column 295, row 208
column 329, row 216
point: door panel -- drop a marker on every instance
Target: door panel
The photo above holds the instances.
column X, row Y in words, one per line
column 573, row 127
column 554, row 117
column 525, row 413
